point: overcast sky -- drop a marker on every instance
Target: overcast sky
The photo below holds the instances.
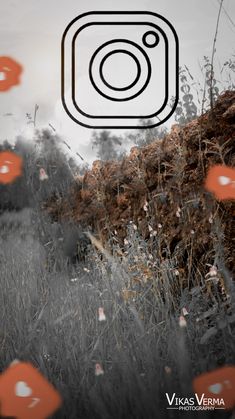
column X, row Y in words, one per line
column 31, row 31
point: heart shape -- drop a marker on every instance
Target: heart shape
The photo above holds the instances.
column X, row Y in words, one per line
column 22, row 389
column 224, row 180
column 215, row 388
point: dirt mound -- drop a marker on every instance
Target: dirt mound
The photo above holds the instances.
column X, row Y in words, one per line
column 160, row 188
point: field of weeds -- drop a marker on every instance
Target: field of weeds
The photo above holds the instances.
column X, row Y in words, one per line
column 125, row 322
column 121, row 366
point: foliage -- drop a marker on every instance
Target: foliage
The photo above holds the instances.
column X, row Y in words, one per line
column 108, row 146
column 197, row 97
column 186, row 110
column 143, row 137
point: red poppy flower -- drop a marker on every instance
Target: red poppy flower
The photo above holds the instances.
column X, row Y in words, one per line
column 10, row 72
column 221, row 181
column 10, row 167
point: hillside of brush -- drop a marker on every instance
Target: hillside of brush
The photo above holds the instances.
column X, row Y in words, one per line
column 160, row 190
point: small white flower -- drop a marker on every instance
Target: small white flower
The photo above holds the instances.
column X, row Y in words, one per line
column 159, row 225
column 98, row 370
column 134, row 227
column 150, row 257
column 211, row 219
column 192, row 232
column 150, row 228
column 86, row 270
column 176, row 272
column 182, row 322
column 126, row 242
column 43, row 175
column 213, row 271
column 185, row 311
column 102, row 316
column 178, row 212
column 145, row 207
column 74, row 279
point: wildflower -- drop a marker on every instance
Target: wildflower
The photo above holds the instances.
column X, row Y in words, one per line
column 115, row 232
column 213, row 271
column 182, row 322
column 43, row 175
column 98, row 370
column 86, row 270
column 159, row 225
column 185, row 311
column 153, row 234
column 102, row 316
column 145, row 207
column 134, row 227
column 10, row 167
column 150, row 228
column 178, row 212
column 176, row 272
column 167, row 370
column 211, row 219
column 126, row 242
column 74, row 279
column 192, row 232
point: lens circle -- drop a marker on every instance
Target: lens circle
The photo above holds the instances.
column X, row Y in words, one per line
column 151, row 39
column 100, row 84
column 104, row 79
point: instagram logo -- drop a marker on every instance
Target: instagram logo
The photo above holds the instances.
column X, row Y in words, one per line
column 120, row 70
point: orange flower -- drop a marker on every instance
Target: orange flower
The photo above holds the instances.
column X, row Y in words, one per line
column 10, row 72
column 221, row 181
column 10, row 167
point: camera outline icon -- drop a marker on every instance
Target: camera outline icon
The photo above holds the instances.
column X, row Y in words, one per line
column 95, row 68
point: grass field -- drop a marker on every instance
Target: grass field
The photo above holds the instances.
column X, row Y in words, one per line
column 49, row 316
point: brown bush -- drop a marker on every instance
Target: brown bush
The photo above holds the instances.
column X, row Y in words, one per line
column 162, row 186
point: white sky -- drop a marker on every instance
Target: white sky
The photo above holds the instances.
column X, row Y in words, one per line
column 31, row 30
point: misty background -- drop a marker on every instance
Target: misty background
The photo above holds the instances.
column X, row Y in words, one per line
column 31, row 31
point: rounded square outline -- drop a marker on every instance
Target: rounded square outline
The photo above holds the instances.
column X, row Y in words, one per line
column 121, row 40
column 120, row 13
